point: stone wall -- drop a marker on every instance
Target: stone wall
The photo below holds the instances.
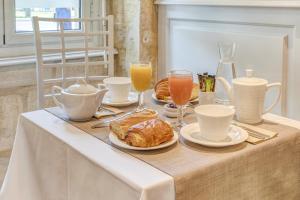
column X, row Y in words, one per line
column 135, row 32
column 148, row 30
column 126, row 16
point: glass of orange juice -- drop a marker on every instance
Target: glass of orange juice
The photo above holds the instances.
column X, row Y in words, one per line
column 180, row 86
column 141, row 76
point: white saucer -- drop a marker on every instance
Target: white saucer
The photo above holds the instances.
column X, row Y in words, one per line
column 132, row 98
column 115, row 140
column 236, row 135
column 169, row 100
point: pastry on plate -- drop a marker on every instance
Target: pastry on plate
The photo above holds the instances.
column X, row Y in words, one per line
column 162, row 90
column 120, row 127
column 195, row 92
column 149, row 133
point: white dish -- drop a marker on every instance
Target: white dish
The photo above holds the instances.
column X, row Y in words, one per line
column 169, row 100
column 173, row 112
column 236, row 135
column 132, row 98
column 115, row 140
column 170, row 114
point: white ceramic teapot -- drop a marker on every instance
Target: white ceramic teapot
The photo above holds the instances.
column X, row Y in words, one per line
column 79, row 101
column 248, row 96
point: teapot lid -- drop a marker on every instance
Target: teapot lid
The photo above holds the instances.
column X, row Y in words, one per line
column 249, row 79
column 81, row 87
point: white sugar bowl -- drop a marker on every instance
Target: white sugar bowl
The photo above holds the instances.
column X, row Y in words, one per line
column 79, row 101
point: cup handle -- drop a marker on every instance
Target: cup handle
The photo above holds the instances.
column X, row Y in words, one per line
column 56, row 101
column 269, row 86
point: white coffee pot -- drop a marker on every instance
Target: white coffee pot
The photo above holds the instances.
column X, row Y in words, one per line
column 79, row 101
column 248, row 96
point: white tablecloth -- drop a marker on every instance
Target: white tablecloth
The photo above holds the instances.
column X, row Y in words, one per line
column 52, row 160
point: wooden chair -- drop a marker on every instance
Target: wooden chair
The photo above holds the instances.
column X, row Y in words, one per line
column 96, row 42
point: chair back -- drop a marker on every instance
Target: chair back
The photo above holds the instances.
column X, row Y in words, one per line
column 92, row 43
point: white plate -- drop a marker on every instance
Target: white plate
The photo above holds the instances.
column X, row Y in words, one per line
column 132, row 98
column 169, row 100
column 115, row 140
column 236, row 135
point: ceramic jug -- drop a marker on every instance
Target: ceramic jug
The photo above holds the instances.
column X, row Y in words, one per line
column 248, row 96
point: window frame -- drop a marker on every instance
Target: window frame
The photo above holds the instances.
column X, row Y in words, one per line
column 24, row 42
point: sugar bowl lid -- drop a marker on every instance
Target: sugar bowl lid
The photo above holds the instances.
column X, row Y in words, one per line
column 249, row 80
column 81, row 87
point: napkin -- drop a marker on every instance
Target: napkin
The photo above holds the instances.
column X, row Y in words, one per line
column 256, row 134
column 106, row 111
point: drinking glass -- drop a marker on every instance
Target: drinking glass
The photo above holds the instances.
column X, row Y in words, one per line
column 180, row 86
column 226, row 69
column 141, row 76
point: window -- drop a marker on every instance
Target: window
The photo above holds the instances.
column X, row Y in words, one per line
column 25, row 10
column 16, row 25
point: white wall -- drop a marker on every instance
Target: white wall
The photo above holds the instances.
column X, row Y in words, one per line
column 267, row 38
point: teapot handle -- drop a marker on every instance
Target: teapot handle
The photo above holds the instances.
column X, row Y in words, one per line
column 278, row 85
column 56, row 101
column 101, row 86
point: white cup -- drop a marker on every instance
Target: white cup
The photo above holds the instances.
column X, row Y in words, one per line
column 214, row 121
column 118, row 88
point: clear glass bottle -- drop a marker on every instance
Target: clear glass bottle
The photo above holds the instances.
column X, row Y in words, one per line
column 226, row 69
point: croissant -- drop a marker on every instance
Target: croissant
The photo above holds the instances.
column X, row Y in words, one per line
column 195, row 92
column 149, row 133
column 121, row 127
column 162, row 89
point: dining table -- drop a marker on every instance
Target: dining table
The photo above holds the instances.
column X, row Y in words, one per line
column 57, row 159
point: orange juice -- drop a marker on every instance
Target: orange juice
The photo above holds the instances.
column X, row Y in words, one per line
column 180, row 88
column 141, row 76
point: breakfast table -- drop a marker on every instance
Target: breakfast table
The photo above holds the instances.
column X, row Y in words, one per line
column 54, row 159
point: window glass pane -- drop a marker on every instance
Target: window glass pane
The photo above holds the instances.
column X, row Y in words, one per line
column 25, row 9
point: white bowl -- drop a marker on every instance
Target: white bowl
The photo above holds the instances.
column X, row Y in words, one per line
column 172, row 112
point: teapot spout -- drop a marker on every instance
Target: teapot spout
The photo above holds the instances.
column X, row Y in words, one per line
column 226, row 86
column 100, row 94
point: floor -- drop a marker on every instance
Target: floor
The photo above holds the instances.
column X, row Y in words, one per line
column 4, row 159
